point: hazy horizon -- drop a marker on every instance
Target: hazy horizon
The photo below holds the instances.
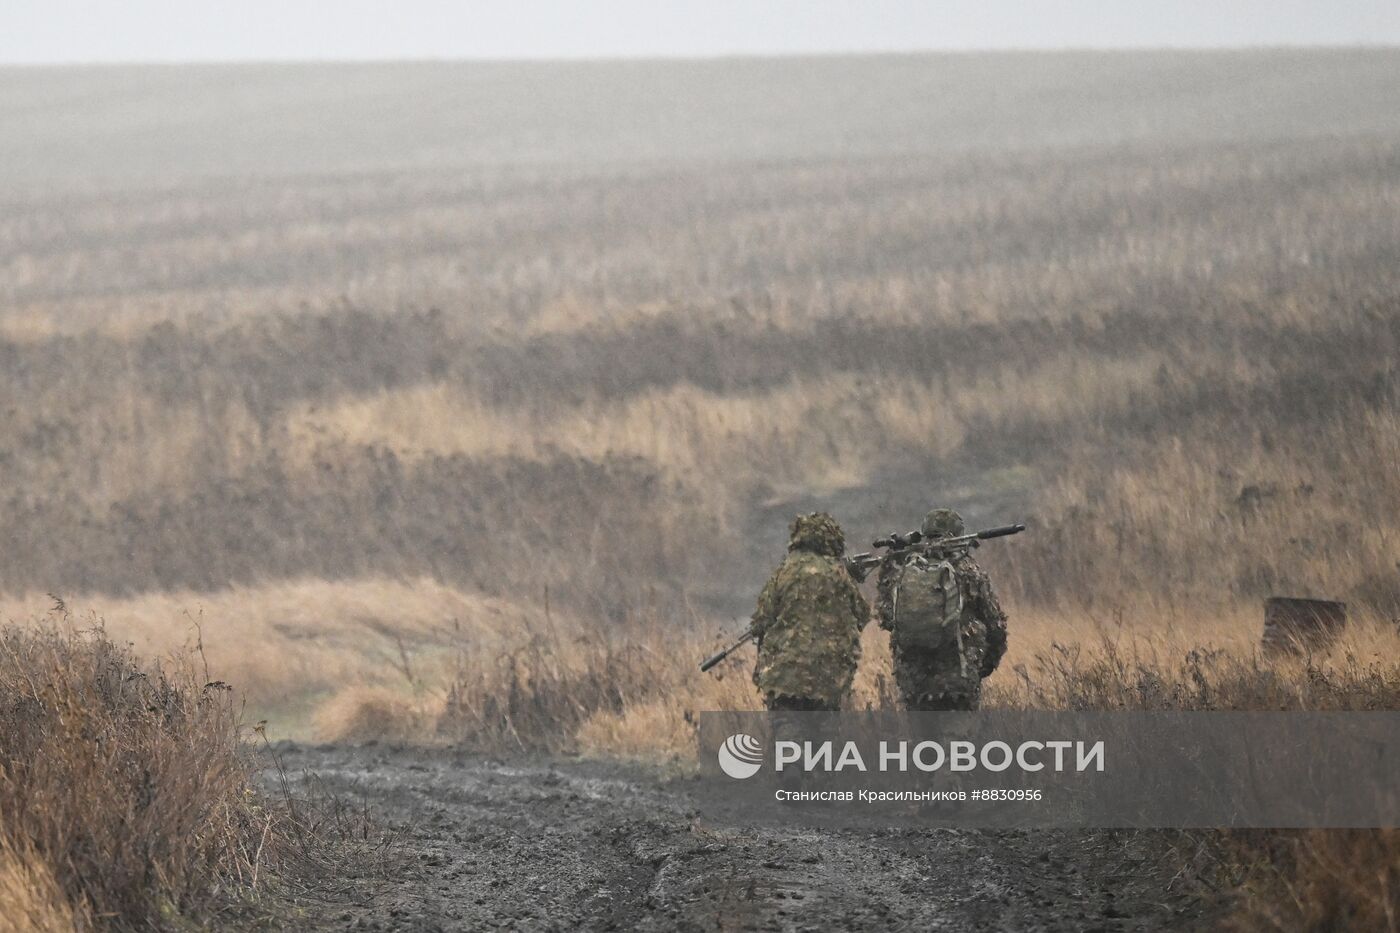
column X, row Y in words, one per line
column 702, row 57
column 74, row 32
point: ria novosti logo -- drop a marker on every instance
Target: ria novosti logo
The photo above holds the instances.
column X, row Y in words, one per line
column 741, row 756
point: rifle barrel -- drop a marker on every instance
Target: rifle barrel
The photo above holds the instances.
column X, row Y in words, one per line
column 714, row 659
column 1001, row 532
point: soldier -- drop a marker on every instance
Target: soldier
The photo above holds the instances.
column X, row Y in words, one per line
column 808, row 622
column 945, row 644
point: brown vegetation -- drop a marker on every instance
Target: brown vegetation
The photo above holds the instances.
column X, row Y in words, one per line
column 125, row 791
column 492, row 436
column 1218, row 323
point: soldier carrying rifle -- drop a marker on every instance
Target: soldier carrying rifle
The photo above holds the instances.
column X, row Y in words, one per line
column 947, row 630
column 807, row 623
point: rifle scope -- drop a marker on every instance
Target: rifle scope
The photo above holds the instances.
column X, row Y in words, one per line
column 897, row 541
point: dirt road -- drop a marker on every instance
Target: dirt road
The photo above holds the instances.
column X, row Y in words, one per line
column 571, row 845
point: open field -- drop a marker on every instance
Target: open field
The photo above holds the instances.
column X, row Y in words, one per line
column 617, row 378
column 472, row 402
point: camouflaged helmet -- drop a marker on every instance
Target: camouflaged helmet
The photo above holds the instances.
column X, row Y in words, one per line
column 942, row 523
column 817, row 532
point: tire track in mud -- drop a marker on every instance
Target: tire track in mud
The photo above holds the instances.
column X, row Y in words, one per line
column 573, row 845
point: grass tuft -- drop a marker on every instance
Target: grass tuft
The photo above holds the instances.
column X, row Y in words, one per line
column 126, row 790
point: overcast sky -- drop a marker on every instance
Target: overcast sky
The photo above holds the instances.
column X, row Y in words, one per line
column 33, row 31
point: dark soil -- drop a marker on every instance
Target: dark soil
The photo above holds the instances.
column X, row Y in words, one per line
column 574, row 845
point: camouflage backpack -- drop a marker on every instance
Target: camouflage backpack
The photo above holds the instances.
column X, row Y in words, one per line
column 927, row 606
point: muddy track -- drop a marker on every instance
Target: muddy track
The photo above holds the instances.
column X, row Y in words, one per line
column 569, row 845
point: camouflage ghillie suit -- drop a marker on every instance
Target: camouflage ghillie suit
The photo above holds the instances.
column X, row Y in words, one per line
column 947, row 679
column 808, row 622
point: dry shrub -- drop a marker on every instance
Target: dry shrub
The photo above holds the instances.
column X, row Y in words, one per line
column 126, row 790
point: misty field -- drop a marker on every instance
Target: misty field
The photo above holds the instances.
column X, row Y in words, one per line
column 473, row 402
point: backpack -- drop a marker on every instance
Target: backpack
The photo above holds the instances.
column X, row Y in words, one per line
column 927, row 606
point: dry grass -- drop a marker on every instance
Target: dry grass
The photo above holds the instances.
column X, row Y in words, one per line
column 1320, row 880
column 125, row 791
column 1303, row 507
column 1316, row 880
column 634, row 692
column 480, row 448
column 637, row 699
column 294, row 644
column 814, row 435
column 33, row 900
column 361, row 713
column 1105, row 325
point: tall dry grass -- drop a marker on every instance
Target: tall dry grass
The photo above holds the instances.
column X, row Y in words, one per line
column 1318, row 881
column 34, row 901
column 634, row 688
column 126, row 791
column 1081, row 332
column 292, row 645
column 637, row 698
column 1313, row 880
